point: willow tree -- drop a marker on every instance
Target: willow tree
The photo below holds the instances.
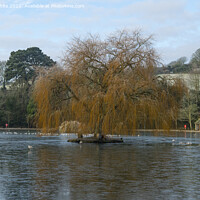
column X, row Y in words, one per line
column 111, row 86
column 53, row 98
column 114, row 80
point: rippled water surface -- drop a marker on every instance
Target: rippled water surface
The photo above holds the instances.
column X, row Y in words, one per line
column 143, row 167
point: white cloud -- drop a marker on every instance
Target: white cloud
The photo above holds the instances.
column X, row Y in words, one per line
column 174, row 23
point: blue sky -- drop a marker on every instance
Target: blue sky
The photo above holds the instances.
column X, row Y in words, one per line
column 175, row 24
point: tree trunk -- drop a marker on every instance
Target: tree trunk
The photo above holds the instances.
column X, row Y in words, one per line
column 100, row 128
column 4, row 84
column 190, row 120
column 176, row 123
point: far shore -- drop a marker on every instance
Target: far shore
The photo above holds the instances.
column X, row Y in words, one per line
column 171, row 130
column 18, row 129
column 137, row 130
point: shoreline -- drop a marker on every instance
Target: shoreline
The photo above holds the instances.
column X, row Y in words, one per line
column 137, row 130
column 171, row 130
column 18, row 129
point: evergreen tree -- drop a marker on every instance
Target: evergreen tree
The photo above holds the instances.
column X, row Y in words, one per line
column 22, row 64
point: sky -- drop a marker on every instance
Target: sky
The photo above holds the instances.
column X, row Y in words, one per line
column 50, row 24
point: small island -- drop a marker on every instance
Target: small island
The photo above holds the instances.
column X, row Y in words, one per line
column 96, row 140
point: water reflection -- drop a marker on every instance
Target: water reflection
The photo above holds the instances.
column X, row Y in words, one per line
column 143, row 168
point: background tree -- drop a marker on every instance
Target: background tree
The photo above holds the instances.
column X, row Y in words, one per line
column 22, row 64
column 13, row 104
column 31, row 113
column 21, row 68
column 195, row 60
column 190, row 105
column 179, row 66
column 189, row 110
column 3, row 67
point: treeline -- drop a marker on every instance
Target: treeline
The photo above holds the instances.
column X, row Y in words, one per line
column 109, row 86
column 190, row 105
column 182, row 65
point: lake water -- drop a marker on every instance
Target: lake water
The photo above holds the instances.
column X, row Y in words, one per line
column 143, row 167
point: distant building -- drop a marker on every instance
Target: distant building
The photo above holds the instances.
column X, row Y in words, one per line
column 192, row 80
